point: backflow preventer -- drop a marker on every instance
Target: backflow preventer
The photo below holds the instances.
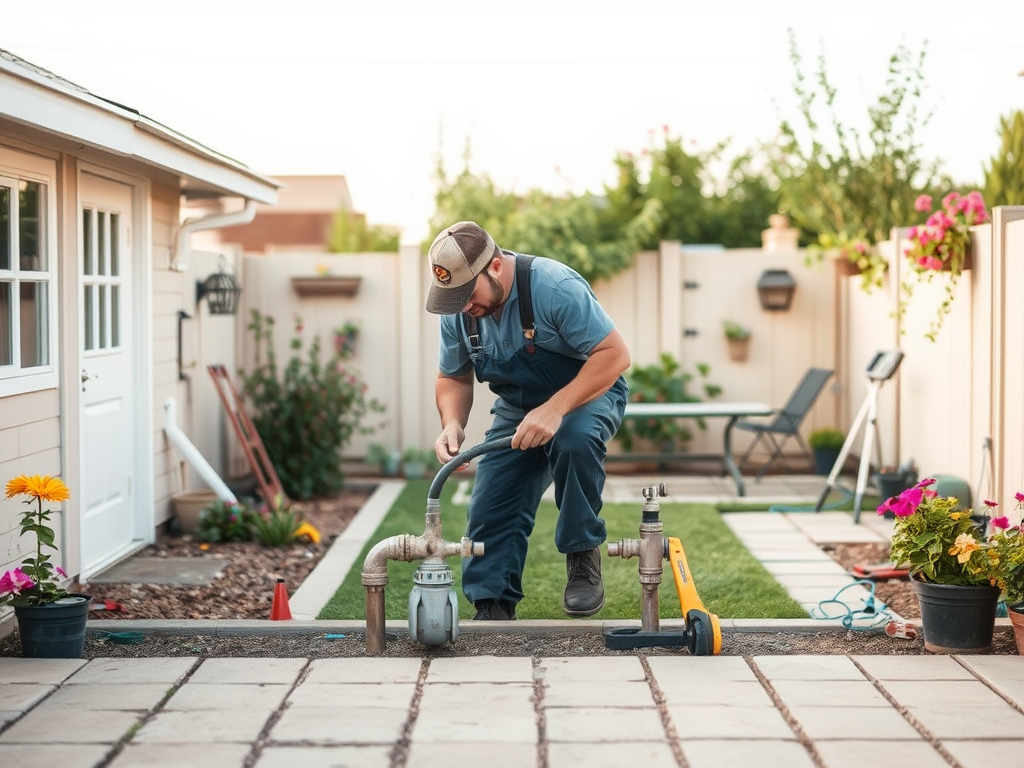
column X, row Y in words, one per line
column 433, row 604
column 703, row 634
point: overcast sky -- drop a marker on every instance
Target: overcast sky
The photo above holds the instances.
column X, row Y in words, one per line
column 545, row 92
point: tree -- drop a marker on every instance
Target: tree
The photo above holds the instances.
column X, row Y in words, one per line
column 570, row 229
column 351, row 234
column 1004, row 177
column 849, row 184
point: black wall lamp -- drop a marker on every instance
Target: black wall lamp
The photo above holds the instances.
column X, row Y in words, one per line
column 221, row 292
column 775, row 289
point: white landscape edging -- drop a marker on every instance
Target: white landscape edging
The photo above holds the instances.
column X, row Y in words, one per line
column 319, row 587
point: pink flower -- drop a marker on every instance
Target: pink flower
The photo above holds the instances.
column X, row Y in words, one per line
column 1019, row 496
column 923, row 203
column 1002, row 523
column 991, row 504
column 930, row 262
column 14, row 581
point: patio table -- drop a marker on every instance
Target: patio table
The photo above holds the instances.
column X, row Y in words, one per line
column 732, row 412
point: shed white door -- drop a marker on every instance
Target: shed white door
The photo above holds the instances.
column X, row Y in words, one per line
column 108, row 446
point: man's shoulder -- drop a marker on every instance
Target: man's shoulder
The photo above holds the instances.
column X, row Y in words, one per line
column 553, row 270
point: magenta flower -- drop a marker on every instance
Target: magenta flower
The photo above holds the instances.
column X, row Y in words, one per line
column 1019, row 496
column 14, row 581
column 991, row 504
column 1002, row 522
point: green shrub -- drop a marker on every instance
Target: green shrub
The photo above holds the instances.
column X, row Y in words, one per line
column 222, row 521
column 662, row 383
column 826, row 437
column 306, row 413
column 277, row 527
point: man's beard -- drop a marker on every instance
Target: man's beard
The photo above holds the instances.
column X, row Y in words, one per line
column 493, row 304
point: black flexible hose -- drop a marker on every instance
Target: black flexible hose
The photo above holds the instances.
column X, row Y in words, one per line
column 462, row 458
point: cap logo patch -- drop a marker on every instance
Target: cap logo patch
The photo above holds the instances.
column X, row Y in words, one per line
column 442, row 275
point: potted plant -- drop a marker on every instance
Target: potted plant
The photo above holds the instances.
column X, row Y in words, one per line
column 955, row 572
column 415, row 462
column 853, row 257
column 738, row 338
column 387, row 460
column 940, row 247
column 51, row 621
column 1009, row 542
column 892, row 481
column 825, row 444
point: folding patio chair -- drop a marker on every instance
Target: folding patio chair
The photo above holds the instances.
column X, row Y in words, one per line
column 786, row 421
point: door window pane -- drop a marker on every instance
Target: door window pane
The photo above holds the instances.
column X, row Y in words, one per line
column 35, row 329
column 6, row 332
column 5, row 227
column 89, row 326
column 115, row 266
column 30, row 226
column 88, row 259
column 115, row 316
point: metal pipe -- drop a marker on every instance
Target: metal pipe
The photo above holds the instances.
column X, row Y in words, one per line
column 651, row 548
column 405, row 547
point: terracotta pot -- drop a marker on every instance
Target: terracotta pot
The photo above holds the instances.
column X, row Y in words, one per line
column 1016, row 614
column 846, row 268
column 739, row 349
column 187, row 507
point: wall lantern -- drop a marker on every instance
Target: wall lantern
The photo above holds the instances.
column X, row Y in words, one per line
column 221, row 292
column 775, row 289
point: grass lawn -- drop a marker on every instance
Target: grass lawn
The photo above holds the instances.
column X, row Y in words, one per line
column 730, row 582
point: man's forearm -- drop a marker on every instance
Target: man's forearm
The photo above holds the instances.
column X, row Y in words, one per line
column 454, row 398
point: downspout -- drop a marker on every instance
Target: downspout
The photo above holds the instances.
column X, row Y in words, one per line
column 215, row 221
column 180, row 441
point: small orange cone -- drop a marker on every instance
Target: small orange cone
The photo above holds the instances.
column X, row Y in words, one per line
column 280, row 611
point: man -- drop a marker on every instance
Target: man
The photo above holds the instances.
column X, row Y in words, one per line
column 533, row 329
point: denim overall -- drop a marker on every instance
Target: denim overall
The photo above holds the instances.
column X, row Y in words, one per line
column 509, row 484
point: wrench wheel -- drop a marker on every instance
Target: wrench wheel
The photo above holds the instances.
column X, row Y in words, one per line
column 699, row 635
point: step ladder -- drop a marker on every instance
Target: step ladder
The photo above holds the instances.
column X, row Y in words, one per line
column 266, row 476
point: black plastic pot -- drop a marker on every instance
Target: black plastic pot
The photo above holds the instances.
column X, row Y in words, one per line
column 957, row 619
column 54, row 631
column 825, row 459
column 894, row 483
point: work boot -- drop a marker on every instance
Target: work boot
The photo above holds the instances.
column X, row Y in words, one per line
column 584, row 591
column 494, row 610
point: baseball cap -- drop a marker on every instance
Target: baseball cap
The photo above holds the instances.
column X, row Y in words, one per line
column 458, row 254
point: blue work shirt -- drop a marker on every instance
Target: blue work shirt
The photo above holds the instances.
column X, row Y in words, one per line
column 567, row 316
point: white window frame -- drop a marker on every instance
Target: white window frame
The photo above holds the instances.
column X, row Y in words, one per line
column 16, row 167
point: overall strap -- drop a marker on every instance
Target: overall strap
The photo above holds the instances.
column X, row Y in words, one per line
column 525, row 307
column 525, row 298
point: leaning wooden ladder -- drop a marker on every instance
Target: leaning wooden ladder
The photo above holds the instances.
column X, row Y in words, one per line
column 266, row 476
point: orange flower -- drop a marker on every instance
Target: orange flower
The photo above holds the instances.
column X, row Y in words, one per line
column 40, row 487
column 963, row 546
column 307, row 530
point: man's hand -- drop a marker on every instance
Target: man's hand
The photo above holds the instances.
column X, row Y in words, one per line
column 448, row 443
column 537, row 427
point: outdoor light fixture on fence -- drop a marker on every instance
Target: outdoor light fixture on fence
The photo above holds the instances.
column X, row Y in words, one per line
column 221, row 292
column 775, row 289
